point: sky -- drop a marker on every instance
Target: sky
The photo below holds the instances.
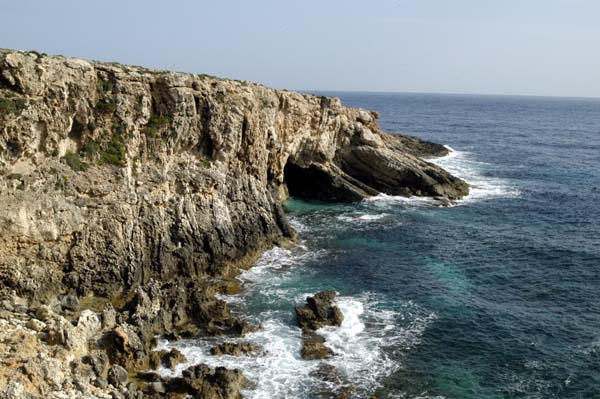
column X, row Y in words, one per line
column 514, row 47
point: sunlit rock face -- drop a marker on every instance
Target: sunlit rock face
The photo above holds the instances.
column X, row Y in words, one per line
column 113, row 175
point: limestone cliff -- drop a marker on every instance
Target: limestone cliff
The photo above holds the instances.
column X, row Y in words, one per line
column 116, row 177
column 151, row 174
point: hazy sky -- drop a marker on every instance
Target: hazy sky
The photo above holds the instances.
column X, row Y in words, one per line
column 539, row 47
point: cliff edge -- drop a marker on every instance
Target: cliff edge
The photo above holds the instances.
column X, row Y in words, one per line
column 146, row 190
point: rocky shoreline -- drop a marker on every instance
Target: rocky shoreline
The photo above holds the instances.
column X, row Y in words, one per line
column 132, row 197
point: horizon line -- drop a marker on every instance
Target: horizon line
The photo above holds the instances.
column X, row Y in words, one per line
column 446, row 93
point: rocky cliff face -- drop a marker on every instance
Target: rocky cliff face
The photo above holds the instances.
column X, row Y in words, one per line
column 117, row 178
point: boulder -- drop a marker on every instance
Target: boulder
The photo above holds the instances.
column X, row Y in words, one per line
column 117, row 376
column 168, row 359
column 319, row 312
column 219, row 383
column 234, row 349
column 313, row 347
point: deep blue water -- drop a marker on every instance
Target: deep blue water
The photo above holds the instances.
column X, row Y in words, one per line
column 497, row 297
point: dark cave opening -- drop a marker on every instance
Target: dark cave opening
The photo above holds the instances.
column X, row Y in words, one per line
column 314, row 183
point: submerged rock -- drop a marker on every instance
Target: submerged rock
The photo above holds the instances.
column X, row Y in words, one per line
column 333, row 386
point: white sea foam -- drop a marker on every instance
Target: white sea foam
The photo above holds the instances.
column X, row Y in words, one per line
column 361, row 218
column 384, row 200
column 368, row 346
column 365, row 349
column 462, row 164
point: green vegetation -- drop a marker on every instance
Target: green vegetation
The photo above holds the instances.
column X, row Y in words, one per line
column 11, row 105
column 156, row 124
column 111, row 152
column 205, row 76
column 114, row 152
column 205, row 163
column 75, row 162
column 106, row 103
column 104, row 86
column 90, row 149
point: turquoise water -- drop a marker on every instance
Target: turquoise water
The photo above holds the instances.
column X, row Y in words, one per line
column 496, row 297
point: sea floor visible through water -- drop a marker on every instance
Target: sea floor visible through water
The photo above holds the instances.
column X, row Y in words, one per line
column 497, row 296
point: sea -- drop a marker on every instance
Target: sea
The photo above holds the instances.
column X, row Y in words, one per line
column 495, row 297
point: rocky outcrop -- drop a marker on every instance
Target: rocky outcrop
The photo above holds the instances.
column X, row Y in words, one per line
column 138, row 194
column 319, row 311
column 114, row 175
column 235, row 349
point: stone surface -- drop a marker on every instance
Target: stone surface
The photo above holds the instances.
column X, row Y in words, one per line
column 70, row 302
column 319, row 311
column 235, row 349
column 175, row 173
column 117, row 376
column 168, row 359
column 313, row 347
column 204, row 382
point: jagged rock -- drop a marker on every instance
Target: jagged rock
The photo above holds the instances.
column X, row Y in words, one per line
column 156, row 388
column 313, row 347
column 101, row 382
column 124, row 347
column 44, row 312
column 234, row 349
column 168, row 359
column 221, row 383
column 13, row 390
column 334, row 386
column 109, row 317
column 319, row 312
column 117, row 375
column 99, row 363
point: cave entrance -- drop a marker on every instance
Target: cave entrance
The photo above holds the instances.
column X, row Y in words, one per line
column 316, row 183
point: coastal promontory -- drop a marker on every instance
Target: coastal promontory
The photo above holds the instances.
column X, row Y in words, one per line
column 131, row 197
